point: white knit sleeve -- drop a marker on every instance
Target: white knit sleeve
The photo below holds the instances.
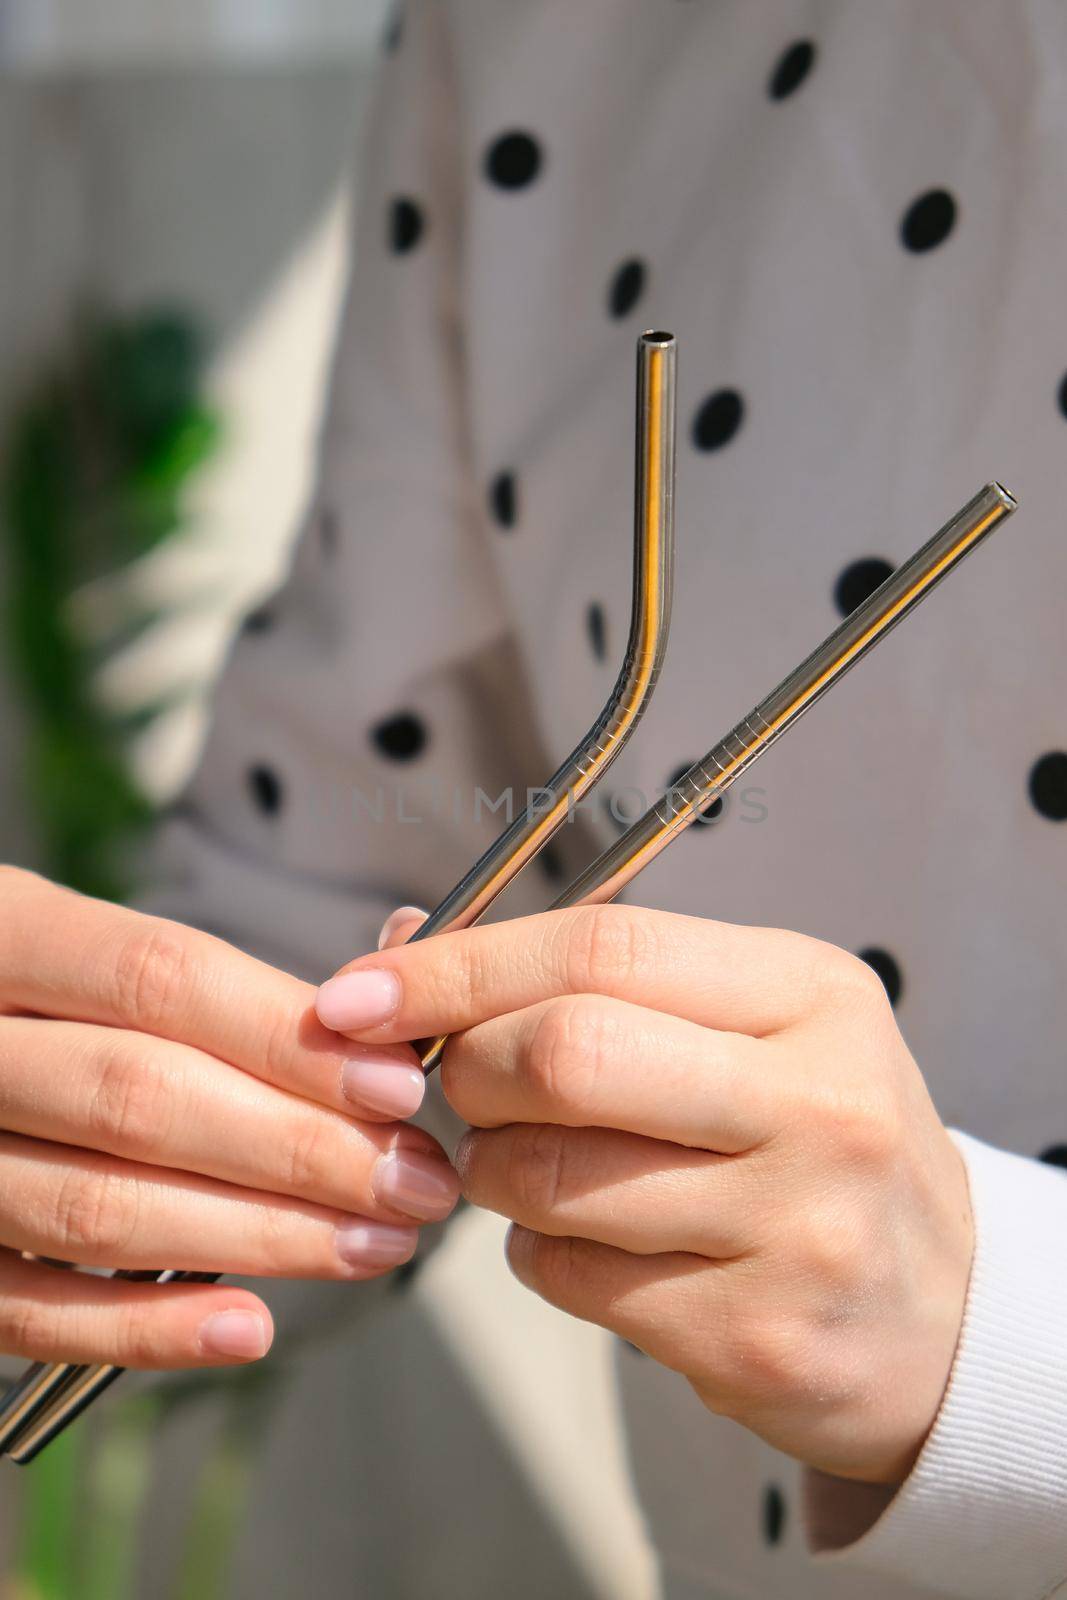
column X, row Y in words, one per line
column 983, row 1513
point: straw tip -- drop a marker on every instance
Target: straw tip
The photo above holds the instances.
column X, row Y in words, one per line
column 657, row 337
column 1007, row 499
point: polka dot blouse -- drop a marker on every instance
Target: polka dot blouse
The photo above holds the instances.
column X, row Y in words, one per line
column 855, row 220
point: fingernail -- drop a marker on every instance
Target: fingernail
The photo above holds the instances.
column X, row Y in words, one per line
column 356, row 1000
column 421, row 1186
column 234, row 1333
column 382, row 1083
column 375, row 1244
column 396, row 919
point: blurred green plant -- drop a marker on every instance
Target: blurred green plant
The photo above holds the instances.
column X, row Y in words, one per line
column 99, row 459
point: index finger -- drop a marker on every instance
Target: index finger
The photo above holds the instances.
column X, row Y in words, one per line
column 737, row 979
column 67, row 956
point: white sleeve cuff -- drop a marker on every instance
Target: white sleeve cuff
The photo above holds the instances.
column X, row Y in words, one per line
column 983, row 1513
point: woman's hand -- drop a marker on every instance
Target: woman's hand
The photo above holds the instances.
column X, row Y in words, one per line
column 712, row 1140
column 167, row 1101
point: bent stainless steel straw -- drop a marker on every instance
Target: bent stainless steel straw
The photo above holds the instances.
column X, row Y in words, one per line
column 653, row 583
column 49, row 1395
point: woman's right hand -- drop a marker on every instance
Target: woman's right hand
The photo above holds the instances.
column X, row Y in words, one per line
column 167, row 1101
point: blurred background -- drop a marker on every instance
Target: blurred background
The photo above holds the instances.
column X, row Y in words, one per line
column 176, row 197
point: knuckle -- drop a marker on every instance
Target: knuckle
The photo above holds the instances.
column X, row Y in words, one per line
column 855, row 981
column 464, row 972
column 275, row 1240
column 535, row 1168
column 567, row 1051
column 29, row 1327
column 857, row 1124
column 128, row 1107
column 828, row 979
column 865, row 1131
column 553, row 1266
column 151, row 973
column 310, row 1156
column 95, row 1215
column 829, row 1243
column 459, row 1084
column 764, row 1354
column 470, row 1163
column 276, row 1047
column 140, row 1337
column 604, row 943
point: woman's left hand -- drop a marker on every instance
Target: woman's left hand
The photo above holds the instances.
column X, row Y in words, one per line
column 713, row 1141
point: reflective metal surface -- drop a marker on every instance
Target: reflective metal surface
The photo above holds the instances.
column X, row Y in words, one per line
column 708, row 780
column 645, row 650
column 49, row 1396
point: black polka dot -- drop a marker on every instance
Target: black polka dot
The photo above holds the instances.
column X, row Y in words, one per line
column 928, row 221
column 1048, row 786
column 792, row 68
column 266, row 789
column 718, row 419
column 773, row 1514
column 597, row 627
column 550, row 863
column 327, row 525
column 401, row 738
column 887, row 969
column 406, row 224
column 259, row 621
column 1061, row 394
column 394, row 31
column 1055, row 1155
column 713, row 811
column 504, row 499
column 513, row 160
column 858, row 582
column 625, row 288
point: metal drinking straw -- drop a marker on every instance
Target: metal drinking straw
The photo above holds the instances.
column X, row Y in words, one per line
column 34, row 1398
column 49, row 1395
column 707, row 780
column 653, row 578
column 704, row 783
column 690, row 797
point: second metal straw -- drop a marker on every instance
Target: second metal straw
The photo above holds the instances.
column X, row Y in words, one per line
column 50, row 1395
column 708, row 780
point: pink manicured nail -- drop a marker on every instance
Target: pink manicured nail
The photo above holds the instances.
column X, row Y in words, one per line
column 357, row 1000
column 396, row 919
column 383, row 1083
column 375, row 1244
column 234, row 1333
column 421, row 1186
